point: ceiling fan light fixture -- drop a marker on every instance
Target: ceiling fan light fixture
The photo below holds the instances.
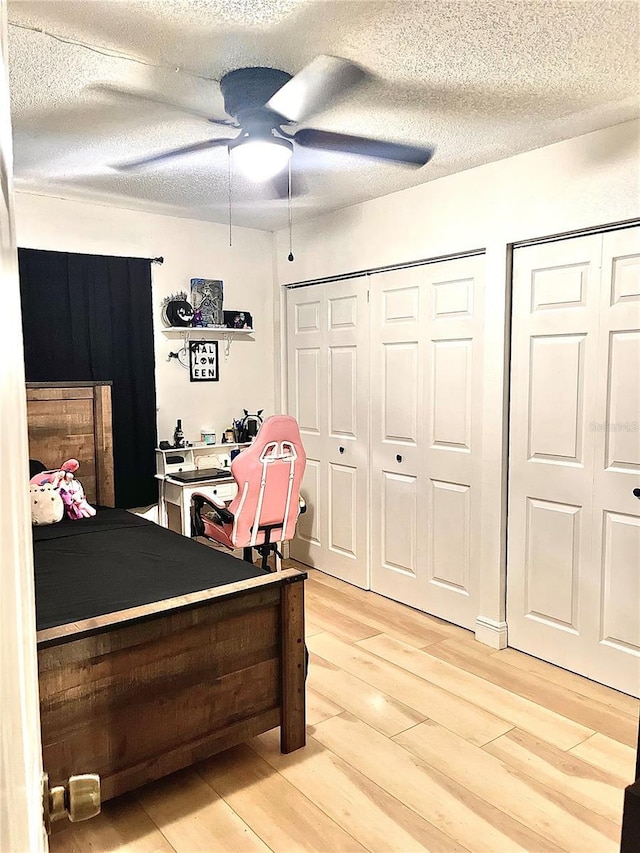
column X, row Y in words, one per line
column 260, row 158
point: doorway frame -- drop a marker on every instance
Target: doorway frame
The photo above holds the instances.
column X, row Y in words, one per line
column 21, row 823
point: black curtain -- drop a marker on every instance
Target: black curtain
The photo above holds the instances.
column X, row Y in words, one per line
column 89, row 318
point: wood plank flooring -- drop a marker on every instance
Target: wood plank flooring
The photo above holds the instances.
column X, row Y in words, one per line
column 419, row 738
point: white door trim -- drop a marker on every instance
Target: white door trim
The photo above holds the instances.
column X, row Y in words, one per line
column 21, row 826
column 347, row 276
column 582, row 232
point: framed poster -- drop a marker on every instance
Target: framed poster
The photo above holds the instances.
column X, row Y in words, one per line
column 203, row 361
column 238, row 320
column 206, row 298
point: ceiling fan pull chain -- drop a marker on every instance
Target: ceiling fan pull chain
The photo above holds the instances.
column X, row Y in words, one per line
column 229, row 153
column 290, row 256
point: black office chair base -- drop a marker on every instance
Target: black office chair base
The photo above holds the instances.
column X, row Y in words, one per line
column 265, row 552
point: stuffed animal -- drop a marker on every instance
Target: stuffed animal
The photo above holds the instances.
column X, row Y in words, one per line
column 75, row 501
column 70, row 490
column 47, row 506
column 62, row 474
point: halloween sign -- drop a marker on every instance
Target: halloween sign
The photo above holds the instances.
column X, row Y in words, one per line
column 203, row 361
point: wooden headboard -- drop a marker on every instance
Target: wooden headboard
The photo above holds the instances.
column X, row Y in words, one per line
column 73, row 420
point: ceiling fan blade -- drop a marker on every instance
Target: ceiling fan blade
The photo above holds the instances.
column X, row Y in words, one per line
column 364, row 147
column 153, row 98
column 323, row 79
column 168, row 155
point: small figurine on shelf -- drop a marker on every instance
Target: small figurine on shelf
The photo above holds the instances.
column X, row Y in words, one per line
column 178, row 435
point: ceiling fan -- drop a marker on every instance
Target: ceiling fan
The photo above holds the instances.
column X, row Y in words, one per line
column 266, row 102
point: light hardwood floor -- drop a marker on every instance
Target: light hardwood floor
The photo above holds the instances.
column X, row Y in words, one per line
column 419, row 738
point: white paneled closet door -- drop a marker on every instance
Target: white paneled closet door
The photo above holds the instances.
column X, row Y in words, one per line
column 328, row 389
column 426, row 384
column 573, row 573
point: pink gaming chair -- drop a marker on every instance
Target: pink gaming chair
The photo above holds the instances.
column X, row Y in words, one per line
column 265, row 510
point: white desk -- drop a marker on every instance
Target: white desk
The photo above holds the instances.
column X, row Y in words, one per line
column 179, row 494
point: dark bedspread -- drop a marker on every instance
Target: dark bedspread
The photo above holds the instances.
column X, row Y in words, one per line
column 117, row 560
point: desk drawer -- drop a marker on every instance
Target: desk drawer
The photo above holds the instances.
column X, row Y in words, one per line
column 174, row 493
column 222, row 492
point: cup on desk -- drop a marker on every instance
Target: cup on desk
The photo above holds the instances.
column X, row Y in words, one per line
column 208, row 436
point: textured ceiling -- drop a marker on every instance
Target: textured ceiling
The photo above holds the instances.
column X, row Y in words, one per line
column 480, row 80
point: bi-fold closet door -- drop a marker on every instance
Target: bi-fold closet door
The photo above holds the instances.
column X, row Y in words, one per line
column 426, row 405
column 397, row 384
column 573, row 571
column 328, row 391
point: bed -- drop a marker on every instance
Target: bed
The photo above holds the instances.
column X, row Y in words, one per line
column 153, row 651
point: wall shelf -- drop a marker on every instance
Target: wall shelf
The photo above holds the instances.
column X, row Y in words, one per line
column 204, row 331
column 200, row 333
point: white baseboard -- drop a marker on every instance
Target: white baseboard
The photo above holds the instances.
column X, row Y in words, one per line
column 491, row 633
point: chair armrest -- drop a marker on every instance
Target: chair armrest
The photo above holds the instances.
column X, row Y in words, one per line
column 219, row 508
column 205, row 499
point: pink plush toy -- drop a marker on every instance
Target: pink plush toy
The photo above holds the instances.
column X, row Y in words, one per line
column 70, row 489
column 74, row 499
column 63, row 474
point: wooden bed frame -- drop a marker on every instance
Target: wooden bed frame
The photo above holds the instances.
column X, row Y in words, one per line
column 73, row 421
column 140, row 693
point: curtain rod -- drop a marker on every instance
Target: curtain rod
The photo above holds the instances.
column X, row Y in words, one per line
column 157, row 260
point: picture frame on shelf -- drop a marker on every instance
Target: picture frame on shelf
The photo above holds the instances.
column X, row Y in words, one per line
column 238, row 320
column 206, row 299
column 204, row 364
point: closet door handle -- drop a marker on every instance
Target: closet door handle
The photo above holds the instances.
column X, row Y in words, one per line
column 341, row 449
column 398, row 458
column 636, row 492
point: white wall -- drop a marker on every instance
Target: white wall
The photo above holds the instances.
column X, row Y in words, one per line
column 191, row 249
column 583, row 182
column 21, row 825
